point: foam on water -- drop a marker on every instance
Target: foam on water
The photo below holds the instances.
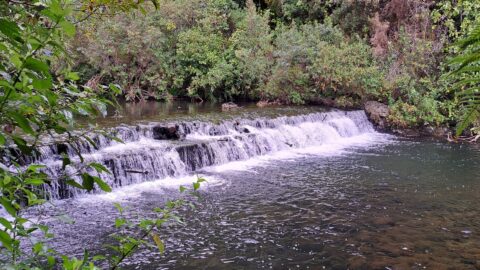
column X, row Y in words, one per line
column 339, row 147
column 156, row 186
column 238, row 144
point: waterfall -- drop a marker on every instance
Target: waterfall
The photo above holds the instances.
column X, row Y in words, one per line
column 143, row 157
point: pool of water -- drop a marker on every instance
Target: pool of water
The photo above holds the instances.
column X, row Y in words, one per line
column 182, row 110
column 387, row 204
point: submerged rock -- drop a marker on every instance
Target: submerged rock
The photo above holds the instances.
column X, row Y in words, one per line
column 377, row 113
column 438, row 132
column 167, row 133
column 229, row 106
column 266, row 103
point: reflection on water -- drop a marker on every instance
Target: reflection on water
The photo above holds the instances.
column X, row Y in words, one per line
column 405, row 205
column 154, row 111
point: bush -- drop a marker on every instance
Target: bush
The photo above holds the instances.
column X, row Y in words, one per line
column 316, row 60
column 420, row 104
column 252, row 46
column 214, row 50
column 125, row 51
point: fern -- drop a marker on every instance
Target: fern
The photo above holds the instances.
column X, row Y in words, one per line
column 466, row 71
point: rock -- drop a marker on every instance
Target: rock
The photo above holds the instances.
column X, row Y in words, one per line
column 266, row 103
column 408, row 132
column 229, row 106
column 441, row 132
column 383, row 221
column 377, row 113
column 167, row 133
column 62, row 148
column 438, row 132
column 321, row 101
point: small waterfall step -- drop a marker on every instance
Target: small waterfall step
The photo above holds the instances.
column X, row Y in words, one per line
column 146, row 156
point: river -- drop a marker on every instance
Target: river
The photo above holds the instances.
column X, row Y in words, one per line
column 287, row 188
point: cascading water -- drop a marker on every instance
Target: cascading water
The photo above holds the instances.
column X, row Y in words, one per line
column 142, row 157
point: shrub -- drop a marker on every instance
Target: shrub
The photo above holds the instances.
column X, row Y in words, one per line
column 316, row 60
column 252, row 46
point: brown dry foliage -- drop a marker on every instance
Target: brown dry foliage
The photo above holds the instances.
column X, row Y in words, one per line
column 411, row 15
column 379, row 39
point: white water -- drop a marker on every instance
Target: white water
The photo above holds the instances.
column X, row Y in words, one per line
column 144, row 163
column 339, row 147
column 136, row 190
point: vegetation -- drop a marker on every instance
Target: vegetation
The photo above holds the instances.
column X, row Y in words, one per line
column 61, row 58
column 285, row 51
column 39, row 97
column 466, row 71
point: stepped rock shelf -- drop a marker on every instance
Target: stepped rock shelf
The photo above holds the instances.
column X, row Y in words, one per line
column 155, row 151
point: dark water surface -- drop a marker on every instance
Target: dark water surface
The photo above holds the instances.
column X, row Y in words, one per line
column 399, row 204
column 326, row 192
column 182, row 110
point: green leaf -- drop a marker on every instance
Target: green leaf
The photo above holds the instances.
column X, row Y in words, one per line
column 5, row 223
column 37, row 65
column 6, row 240
column 182, row 189
column 34, row 182
column 98, row 258
column 7, row 179
column 37, row 248
column 119, row 207
column 196, row 186
column 158, row 242
column 10, row 29
column 99, row 167
column 119, row 222
column 87, row 181
column 115, row 88
column 22, row 122
column 65, row 161
column 91, row 142
column 22, row 144
column 156, row 4
column 74, row 184
column 8, row 207
column 42, row 84
column 68, row 28
column 2, row 139
column 103, row 186
column 470, row 116
column 51, row 261
column 73, row 76
column 35, row 167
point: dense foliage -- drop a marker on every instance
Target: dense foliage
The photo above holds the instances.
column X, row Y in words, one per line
column 338, row 53
column 466, row 71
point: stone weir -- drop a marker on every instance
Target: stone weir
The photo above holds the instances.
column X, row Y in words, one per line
column 155, row 151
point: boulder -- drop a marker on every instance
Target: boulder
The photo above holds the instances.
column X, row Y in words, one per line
column 437, row 132
column 377, row 113
column 167, row 133
column 267, row 103
column 229, row 106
